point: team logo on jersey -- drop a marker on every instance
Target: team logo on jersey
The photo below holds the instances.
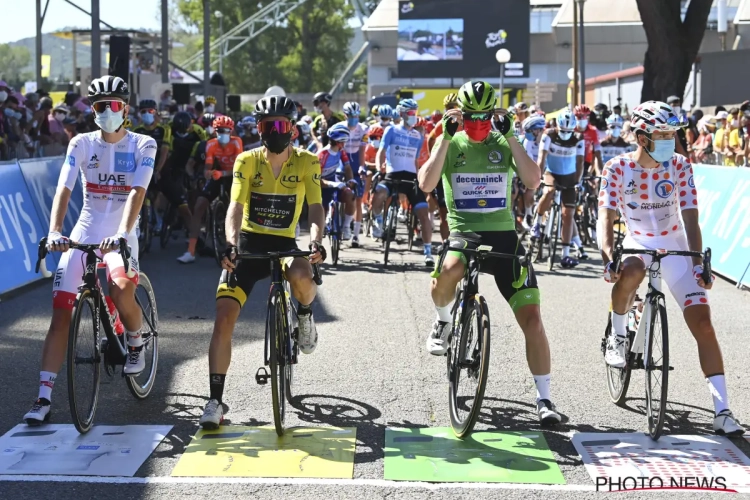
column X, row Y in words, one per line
column 631, row 188
column 495, row 157
column 93, row 162
column 71, row 160
column 147, row 162
column 691, row 182
column 632, row 205
column 664, row 188
column 290, row 181
column 124, row 162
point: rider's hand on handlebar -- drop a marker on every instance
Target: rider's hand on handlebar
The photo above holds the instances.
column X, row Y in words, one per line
column 610, row 274
column 319, row 253
column 111, row 242
column 56, row 242
column 697, row 272
column 230, row 254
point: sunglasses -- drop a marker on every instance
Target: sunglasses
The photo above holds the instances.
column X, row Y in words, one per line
column 223, row 131
column 279, row 126
column 115, row 106
column 477, row 117
column 150, row 111
column 412, row 112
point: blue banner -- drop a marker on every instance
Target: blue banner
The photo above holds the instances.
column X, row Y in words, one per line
column 20, row 231
column 724, row 203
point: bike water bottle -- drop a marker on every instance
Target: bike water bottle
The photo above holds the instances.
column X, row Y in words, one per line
column 117, row 324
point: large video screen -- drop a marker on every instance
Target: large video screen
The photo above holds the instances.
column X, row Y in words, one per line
column 459, row 38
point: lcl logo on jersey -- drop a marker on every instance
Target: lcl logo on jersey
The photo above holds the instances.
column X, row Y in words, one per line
column 664, row 188
column 289, row 181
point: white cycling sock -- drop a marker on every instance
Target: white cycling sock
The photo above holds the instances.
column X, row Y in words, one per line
column 445, row 314
column 357, row 226
column 565, row 249
column 537, row 219
column 542, row 386
column 348, row 220
column 577, row 240
column 46, row 383
column 528, row 211
column 620, row 324
column 135, row 339
column 717, row 386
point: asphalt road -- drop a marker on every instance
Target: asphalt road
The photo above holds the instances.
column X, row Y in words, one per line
column 370, row 371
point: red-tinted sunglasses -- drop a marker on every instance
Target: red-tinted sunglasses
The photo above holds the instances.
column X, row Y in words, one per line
column 115, row 106
column 150, row 111
column 412, row 112
column 280, row 126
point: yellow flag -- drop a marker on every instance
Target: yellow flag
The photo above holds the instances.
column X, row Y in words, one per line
column 46, row 65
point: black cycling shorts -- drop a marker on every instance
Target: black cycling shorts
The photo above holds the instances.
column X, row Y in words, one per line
column 440, row 194
column 250, row 272
column 411, row 191
column 567, row 196
column 172, row 186
column 212, row 189
column 505, row 271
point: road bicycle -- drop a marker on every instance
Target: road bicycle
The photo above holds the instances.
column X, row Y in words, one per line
column 87, row 350
column 391, row 221
column 648, row 334
column 587, row 211
column 469, row 337
column 551, row 230
column 281, row 349
column 218, row 214
column 335, row 225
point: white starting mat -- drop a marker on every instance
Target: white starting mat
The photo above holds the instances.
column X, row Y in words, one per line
column 672, row 461
column 56, row 449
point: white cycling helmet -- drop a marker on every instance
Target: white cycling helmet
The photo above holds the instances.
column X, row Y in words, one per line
column 304, row 127
column 654, row 116
column 566, row 121
column 351, row 109
column 615, row 121
column 532, row 122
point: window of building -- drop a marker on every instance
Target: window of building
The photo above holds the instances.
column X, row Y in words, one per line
column 542, row 17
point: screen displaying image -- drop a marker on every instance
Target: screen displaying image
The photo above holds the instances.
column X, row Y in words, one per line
column 430, row 39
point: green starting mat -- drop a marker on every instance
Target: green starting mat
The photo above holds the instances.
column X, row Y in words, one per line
column 437, row 455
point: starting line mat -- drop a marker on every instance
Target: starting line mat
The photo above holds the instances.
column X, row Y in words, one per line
column 437, row 455
column 57, row 449
column 672, row 459
column 235, row 451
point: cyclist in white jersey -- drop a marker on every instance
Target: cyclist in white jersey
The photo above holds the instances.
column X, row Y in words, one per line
column 115, row 167
column 654, row 190
column 532, row 130
column 355, row 148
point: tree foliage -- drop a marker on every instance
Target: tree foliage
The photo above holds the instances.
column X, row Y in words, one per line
column 673, row 45
column 305, row 53
column 13, row 63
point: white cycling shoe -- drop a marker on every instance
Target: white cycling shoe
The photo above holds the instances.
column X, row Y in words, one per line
column 186, row 258
column 213, row 415
column 726, row 425
column 615, row 355
column 308, row 333
column 437, row 342
column 39, row 413
column 135, row 362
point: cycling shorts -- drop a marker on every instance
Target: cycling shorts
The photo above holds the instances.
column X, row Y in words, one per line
column 505, row 271
column 412, row 192
column 172, row 186
column 212, row 189
column 250, row 272
column 567, row 196
column 70, row 270
column 440, row 194
column 676, row 271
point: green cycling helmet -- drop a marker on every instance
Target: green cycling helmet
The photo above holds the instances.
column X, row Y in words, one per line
column 476, row 97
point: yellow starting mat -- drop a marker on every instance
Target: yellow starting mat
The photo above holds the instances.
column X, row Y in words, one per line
column 235, row 451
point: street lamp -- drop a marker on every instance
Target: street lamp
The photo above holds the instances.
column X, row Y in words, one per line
column 503, row 57
column 581, row 50
column 220, row 17
column 571, row 89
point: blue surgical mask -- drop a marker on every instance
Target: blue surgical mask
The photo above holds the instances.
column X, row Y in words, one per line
column 565, row 135
column 663, row 150
column 583, row 123
column 529, row 136
column 147, row 118
column 109, row 121
column 223, row 139
column 615, row 132
column 411, row 120
column 352, row 121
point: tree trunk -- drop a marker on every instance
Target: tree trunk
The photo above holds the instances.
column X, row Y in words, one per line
column 672, row 45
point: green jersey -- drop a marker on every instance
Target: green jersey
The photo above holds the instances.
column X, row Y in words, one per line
column 477, row 184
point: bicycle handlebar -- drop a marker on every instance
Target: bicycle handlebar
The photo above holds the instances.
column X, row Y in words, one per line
column 524, row 260
column 278, row 256
column 660, row 254
column 86, row 248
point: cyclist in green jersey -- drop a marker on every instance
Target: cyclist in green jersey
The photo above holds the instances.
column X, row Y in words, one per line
column 476, row 166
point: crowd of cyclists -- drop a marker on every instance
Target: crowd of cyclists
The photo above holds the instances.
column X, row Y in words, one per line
column 488, row 174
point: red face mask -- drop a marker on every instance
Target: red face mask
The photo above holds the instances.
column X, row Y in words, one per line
column 477, row 130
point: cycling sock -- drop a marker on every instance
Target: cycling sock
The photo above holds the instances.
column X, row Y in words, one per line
column 135, row 339
column 348, row 220
column 357, row 227
column 537, row 219
column 620, row 324
column 542, row 386
column 565, row 249
column 46, row 383
column 303, row 310
column 528, row 212
column 216, row 385
column 445, row 314
column 717, row 386
column 192, row 243
column 379, row 219
column 427, row 248
column 577, row 240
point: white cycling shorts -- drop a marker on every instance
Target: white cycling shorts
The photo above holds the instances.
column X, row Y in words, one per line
column 676, row 271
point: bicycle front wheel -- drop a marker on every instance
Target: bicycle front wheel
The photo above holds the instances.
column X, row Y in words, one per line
column 555, row 227
column 618, row 379
column 144, row 230
column 140, row 385
column 218, row 215
column 411, row 227
column 470, row 359
column 84, row 361
column 275, row 335
column 390, row 231
column 656, row 364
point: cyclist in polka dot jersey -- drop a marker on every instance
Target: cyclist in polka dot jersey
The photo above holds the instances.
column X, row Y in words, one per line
column 654, row 191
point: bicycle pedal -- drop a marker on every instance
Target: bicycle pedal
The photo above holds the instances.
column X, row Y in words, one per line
column 671, row 368
column 262, row 376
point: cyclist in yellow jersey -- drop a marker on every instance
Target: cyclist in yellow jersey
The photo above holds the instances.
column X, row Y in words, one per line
column 268, row 189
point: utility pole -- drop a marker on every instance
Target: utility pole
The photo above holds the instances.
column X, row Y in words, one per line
column 574, row 94
column 96, row 41
column 206, row 47
column 164, row 41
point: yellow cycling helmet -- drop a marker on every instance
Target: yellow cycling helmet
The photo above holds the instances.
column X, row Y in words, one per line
column 374, row 110
column 450, row 100
column 210, row 100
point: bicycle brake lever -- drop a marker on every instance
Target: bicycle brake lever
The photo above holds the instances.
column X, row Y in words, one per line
column 316, row 274
column 125, row 253
column 41, row 252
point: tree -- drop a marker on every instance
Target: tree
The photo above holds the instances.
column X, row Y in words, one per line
column 673, row 45
column 13, row 61
column 304, row 53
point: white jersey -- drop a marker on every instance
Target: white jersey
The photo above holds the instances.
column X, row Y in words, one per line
column 357, row 139
column 108, row 172
column 532, row 149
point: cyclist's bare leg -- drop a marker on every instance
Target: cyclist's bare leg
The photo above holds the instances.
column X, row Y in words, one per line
column 632, row 272
column 300, row 277
column 529, row 318
column 567, row 224
column 698, row 320
column 187, row 216
column 56, row 342
column 122, row 292
column 444, row 230
column 546, row 200
column 377, row 200
column 220, row 350
column 423, row 215
column 443, row 287
column 347, row 197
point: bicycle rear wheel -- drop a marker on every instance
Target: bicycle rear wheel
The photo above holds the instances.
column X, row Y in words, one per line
column 166, row 226
column 218, row 215
column 144, row 230
column 335, row 235
column 390, row 231
column 411, row 227
column 656, row 364
column 141, row 385
column 555, row 222
column 618, row 379
column 474, row 342
column 84, row 361
column 275, row 334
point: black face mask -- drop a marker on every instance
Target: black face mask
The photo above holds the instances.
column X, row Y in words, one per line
column 275, row 142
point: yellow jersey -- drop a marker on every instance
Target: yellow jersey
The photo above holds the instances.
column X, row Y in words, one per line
column 273, row 205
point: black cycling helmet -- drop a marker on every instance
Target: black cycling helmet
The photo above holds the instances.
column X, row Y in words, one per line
column 207, row 119
column 147, row 104
column 108, row 87
column 275, row 105
column 322, row 97
column 181, row 122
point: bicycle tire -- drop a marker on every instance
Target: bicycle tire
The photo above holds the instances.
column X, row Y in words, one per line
column 556, row 221
column 478, row 309
column 411, row 226
column 390, row 232
column 618, row 379
column 149, row 334
column 166, row 227
column 290, row 346
column 335, row 234
column 592, row 218
column 218, row 216
column 582, row 222
column 144, row 227
column 275, row 336
column 656, row 419
column 84, row 300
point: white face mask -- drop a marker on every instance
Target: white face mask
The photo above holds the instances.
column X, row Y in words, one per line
column 3, row 95
column 210, row 108
column 676, row 110
column 109, row 121
column 60, row 116
column 735, row 123
column 210, row 130
column 411, row 120
column 376, row 144
column 615, row 132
